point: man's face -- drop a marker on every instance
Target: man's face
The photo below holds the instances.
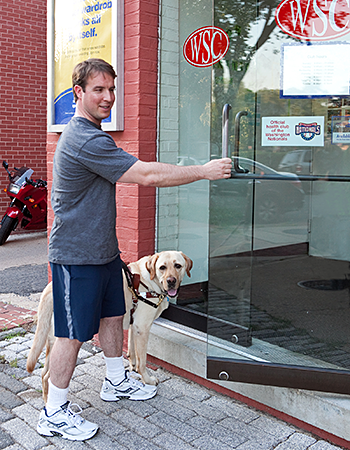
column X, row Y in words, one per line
column 95, row 103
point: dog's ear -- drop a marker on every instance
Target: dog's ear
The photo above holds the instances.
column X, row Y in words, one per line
column 189, row 264
column 151, row 265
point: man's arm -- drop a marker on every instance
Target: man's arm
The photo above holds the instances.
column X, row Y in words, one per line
column 166, row 175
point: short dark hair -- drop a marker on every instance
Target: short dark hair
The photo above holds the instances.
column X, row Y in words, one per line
column 85, row 69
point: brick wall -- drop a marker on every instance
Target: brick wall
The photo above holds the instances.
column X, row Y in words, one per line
column 135, row 204
column 23, row 89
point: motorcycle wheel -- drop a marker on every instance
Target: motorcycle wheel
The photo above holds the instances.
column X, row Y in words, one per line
column 8, row 225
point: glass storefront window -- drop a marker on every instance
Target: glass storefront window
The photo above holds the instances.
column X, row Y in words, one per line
column 184, row 136
column 270, row 247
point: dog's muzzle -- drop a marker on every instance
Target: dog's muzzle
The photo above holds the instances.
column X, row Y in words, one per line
column 172, row 291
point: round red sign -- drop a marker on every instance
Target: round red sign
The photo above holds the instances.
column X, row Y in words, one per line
column 314, row 20
column 206, row 46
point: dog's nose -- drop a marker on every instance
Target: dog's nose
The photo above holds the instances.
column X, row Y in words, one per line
column 171, row 281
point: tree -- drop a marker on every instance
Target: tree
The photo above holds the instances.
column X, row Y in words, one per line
column 249, row 25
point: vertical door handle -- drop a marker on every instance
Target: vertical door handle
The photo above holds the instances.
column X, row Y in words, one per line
column 236, row 165
column 225, row 118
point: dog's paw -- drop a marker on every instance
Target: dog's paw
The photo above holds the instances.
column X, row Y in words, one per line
column 150, row 379
column 132, row 367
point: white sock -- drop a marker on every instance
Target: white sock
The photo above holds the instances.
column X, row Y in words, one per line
column 56, row 398
column 115, row 369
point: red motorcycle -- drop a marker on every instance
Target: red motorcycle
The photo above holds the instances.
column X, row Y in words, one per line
column 28, row 206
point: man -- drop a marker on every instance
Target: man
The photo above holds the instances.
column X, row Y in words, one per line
column 83, row 248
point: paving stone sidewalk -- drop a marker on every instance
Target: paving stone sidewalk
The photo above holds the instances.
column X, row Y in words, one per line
column 183, row 415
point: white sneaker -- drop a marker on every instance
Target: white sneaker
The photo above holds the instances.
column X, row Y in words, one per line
column 128, row 388
column 66, row 423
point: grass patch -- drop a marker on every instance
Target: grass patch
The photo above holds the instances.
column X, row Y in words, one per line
column 14, row 364
column 14, row 335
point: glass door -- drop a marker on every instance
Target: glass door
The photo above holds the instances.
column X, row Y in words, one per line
column 279, row 250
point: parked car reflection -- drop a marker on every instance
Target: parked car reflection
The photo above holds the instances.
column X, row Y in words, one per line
column 189, row 161
column 272, row 198
column 296, row 161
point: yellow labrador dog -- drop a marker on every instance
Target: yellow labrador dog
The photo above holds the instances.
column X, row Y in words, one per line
column 147, row 290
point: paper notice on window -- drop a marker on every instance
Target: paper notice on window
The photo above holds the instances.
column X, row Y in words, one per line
column 315, row 70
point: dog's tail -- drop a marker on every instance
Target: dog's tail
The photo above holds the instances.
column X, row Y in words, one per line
column 44, row 324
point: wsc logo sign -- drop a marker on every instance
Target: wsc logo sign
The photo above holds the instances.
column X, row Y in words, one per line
column 314, row 20
column 206, row 46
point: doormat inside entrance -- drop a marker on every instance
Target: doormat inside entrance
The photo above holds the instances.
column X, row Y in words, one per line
column 325, row 285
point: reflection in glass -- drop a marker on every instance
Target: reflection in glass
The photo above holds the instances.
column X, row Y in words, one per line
column 278, row 249
column 278, row 283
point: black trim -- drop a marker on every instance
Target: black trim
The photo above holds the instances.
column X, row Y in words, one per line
column 301, row 248
column 183, row 316
column 288, row 376
column 255, row 176
column 218, row 327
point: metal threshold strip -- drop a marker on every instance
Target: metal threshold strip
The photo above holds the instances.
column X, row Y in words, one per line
column 210, row 340
column 254, row 176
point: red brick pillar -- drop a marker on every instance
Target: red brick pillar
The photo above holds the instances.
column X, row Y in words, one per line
column 135, row 204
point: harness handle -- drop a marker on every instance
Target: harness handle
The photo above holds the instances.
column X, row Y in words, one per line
column 134, row 281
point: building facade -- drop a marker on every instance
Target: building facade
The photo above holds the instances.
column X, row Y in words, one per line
column 266, row 311
column 24, row 83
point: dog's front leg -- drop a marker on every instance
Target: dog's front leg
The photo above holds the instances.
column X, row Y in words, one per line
column 45, row 383
column 45, row 373
column 141, row 335
column 131, row 349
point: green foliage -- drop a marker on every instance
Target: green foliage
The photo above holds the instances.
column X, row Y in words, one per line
column 14, row 363
column 239, row 19
column 14, row 335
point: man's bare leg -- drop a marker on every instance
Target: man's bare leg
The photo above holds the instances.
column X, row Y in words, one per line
column 111, row 340
column 63, row 359
column 111, row 336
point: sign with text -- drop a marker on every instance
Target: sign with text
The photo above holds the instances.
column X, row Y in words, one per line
column 315, row 70
column 341, row 130
column 303, row 131
column 84, row 29
column 206, row 46
column 315, row 20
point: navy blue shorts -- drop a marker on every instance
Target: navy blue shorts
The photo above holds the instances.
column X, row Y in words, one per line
column 82, row 295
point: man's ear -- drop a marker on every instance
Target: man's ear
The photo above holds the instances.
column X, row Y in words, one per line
column 78, row 91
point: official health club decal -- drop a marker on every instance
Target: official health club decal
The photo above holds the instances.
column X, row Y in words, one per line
column 314, row 20
column 206, row 46
column 292, row 131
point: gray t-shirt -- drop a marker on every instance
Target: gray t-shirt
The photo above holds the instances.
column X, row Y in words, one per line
column 86, row 166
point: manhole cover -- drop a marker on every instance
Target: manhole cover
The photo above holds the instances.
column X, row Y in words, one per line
column 325, row 285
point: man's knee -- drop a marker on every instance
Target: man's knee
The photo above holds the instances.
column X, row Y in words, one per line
column 115, row 320
column 63, row 345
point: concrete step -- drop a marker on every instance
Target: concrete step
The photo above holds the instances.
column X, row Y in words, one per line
column 186, row 349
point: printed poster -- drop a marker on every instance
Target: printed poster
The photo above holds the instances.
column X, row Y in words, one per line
column 83, row 29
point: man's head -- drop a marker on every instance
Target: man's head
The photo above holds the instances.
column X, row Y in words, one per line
column 93, row 87
column 88, row 68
